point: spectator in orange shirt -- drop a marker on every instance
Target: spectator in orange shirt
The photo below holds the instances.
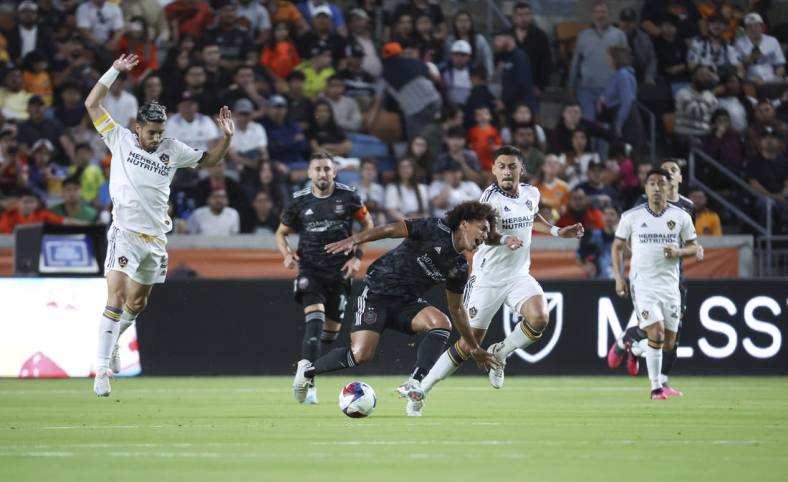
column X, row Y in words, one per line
column 579, row 211
column 282, row 56
column 484, row 137
column 285, row 11
column 28, row 210
column 136, row 41
column 188, row 17
column 35, row 76
column 553, row 191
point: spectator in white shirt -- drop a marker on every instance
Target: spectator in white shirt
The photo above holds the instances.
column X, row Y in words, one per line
column 196, row 130
column 249, row 145
column 449, row 190
column 760, row 53
column 99, row 21
column 346, row 112
column 370, row 192
column 215, row 219
column 406, row 197
column 120, row 104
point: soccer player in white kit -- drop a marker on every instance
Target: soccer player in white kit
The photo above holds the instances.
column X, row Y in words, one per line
column 501, row 275
column 660, row 234
column 143, row 165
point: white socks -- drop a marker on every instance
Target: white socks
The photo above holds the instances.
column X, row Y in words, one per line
column 654, row 364
column 108, row 334
column 127, row 318
column 520, row 337
column 442, row 369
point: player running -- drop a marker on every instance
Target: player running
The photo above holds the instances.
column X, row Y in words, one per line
column 660, row 234
column 633, row 340
column 501, row 275
column 321, row 214
column 432, row 254
column 143, row 164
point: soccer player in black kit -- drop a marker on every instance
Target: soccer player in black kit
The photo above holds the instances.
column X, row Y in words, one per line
column 631, row 340
column 432, row 254
column 321, row 214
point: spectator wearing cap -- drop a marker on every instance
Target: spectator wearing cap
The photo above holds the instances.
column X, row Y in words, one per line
column 281, row 56
column 153, row 14
column 323, row 36
column 580, row 210
column 671, row 53
column 457, row 74
column 287, row 144
column 768, row 174
column 534, row 42
column 249, row 146
column 120, row 104
column 457, row 153
column 85, row 168
column 724, row 143
column 13, row 97
column 707, row 222
column 136, row 40
column 450, row 189
column 299, row 106
column 99, row 22
column 553, row 191
column 38, row 126
column 27, row 210
column 595, row 251
column 516, row 73
column 73, row 205
column 696, row 104
column 644, row 59
column 714, row 51
column 359, row 83
column 406, row 197
column 685, row 12
column 311, row 9
column 235, row 42
column 414, row 8
column 216, row 218
column 316, row 69
column 599, row 194
column 190, row 17
column 761, row 54
column 463, row 29
column 407, row 81
column 195, row 129
column 360, row 35
column 590, row 69
column 346, row 111
column 45, row 176
column 255, row 18
column 29, row 34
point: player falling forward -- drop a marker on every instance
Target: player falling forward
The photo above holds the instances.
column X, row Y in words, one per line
column 321, row 214
column 501, row 275
column 143, row 165
column 660, row 234
column 431, row 254
column 633, row 341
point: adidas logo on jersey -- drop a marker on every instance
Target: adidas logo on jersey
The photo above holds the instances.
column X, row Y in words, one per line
column 438, row 249
column 506, row 209
column 644, row 225
column 309, row 212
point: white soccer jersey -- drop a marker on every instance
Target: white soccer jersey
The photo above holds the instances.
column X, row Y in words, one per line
column 649, row 234
column 497, row 265
column 139, row 181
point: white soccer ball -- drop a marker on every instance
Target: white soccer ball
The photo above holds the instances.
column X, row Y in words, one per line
column 357, row 400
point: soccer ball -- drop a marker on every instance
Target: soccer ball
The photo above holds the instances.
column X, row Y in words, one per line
column 357, row 400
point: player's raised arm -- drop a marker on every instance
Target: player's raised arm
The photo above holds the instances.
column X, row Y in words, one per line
column 459, row 317
column 349, row 244
column 227, row 126
column 96, row 111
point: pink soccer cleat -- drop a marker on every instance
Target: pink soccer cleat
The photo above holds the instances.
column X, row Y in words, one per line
column 633, row 364
column 659, row 394
column 615, row 355
column 671, row 392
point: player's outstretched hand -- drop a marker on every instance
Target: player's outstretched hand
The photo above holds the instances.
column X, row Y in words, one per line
column 125, row 63
column 621, row 288
column 484, row 359
column 513, row 242
column 671, row 251
column 225, row 121
column 351, row 267
column 346, row 246
column 573, row 231
column 291, row 260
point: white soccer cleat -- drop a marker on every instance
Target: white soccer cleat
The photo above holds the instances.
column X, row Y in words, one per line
column 114, row 360
column 413, row 392
column 101, row 385
column 311, row 395
column 301, row 383
column 497, row 374
column 413, row 408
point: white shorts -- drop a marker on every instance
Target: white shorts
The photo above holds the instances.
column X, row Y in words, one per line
column 652, row 306
column 482, row 303
column 141, row 257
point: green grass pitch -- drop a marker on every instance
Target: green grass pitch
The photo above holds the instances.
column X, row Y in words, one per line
column 535, row 429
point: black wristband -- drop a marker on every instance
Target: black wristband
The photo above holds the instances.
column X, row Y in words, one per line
column 358, row 253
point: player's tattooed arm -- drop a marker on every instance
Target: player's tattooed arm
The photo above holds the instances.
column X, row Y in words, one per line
column 290, row 257
column 459, row 317
column 617, row 254
column 349, row 244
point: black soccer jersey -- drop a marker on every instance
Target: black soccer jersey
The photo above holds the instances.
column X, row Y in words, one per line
column 684, row 203
column 321, row 221
column 426, row 258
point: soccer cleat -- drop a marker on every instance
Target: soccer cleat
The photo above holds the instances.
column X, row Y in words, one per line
column 411, row 390
column 496, row 375
column 633, row 364
column 615, row 355
column 301, row 383
column 311, row 395
column 413, row 408
column 671, row 392
column 658, row 394
column 101, row 385
column 114, row 360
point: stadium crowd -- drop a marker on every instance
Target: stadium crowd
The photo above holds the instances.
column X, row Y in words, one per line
column 411, row 100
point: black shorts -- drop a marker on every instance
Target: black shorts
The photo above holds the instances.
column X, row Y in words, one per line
column 333, row 294
column 376, row 313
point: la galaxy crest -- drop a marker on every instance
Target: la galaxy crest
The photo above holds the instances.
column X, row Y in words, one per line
column 671, row 224
column 529, row 205
column 472, row 312
column 123, row 261
column 644, row 314
column 165, row 159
